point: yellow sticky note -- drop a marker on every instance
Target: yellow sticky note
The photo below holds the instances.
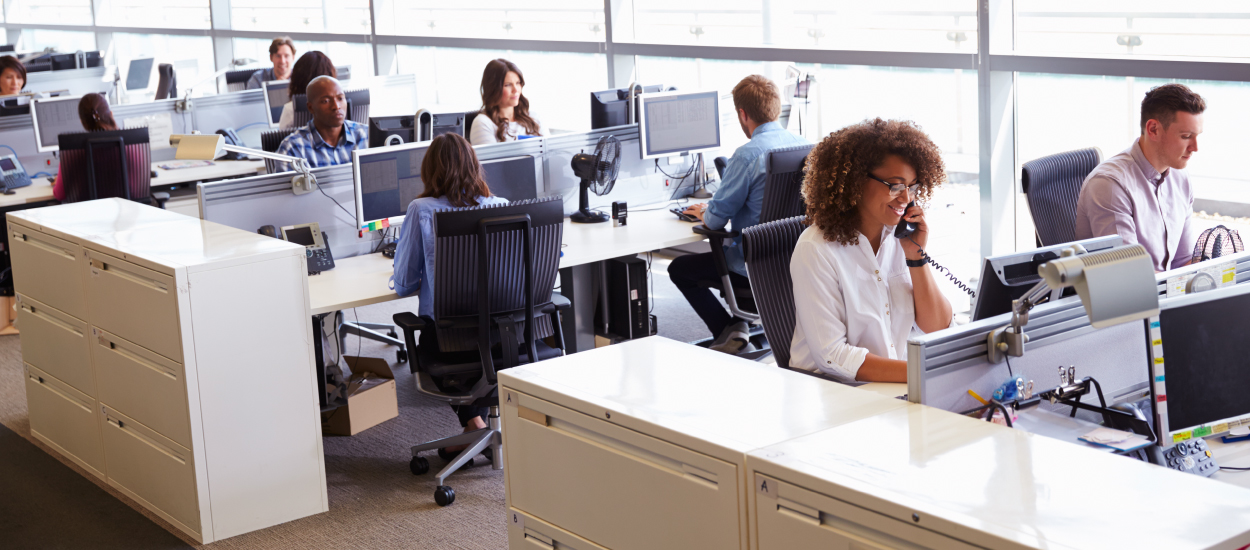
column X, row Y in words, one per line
column 1156, row 342
column 1176, row 438
column 1229, row 277
column 1159, row 360
column 1221, row 428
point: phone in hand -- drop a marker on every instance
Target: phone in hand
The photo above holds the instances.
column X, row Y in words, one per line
column 905, row 228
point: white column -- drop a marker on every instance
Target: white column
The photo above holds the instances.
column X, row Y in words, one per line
column 996, row 128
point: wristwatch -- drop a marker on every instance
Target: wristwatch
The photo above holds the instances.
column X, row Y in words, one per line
column 915, row 263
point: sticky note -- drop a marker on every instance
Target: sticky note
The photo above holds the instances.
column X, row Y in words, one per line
column 1158, row 379
column 1162, row 398
column 1157, row 343
column 1154, row 324
column 1183, row 436
column 1158, row 360
column 1221, row 428
column 1202, row 431
column 1229, row 277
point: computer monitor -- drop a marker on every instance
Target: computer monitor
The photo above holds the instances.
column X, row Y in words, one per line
column 609, row 107
column 1007, row 277
column 678, row 123
column 277, row 94
column 344, row 72
column 64, row 62
column 140, row 74
column 382, row 128
column 8, row 48
column 52, row 117
column 1199, row 339
column 386, row 180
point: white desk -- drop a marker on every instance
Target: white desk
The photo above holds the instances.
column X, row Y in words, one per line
column 221, row 169
column 39, row 190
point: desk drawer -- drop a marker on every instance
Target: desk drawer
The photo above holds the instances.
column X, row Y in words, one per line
column 56, row 343
column 135, row 303
column 614, row 486
column 526, row 532
column 151, row 467
column 145, row 385
column 48, row 269
column 66, row 417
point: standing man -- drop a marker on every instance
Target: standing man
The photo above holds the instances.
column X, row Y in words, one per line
column 737, row 201
column 282, row 54
column 329, row 138
column 1143, row 193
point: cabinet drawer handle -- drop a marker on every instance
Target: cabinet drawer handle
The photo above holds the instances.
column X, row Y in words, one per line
column 134, row 278
column 146, row 440
column 19, row 235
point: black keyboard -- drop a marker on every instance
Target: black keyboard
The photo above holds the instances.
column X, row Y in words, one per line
column 682, row 215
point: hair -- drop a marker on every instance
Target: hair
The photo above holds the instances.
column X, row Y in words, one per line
column 450, row 169
column 1163, row 102
column 759, row 98
column 838, row 166
column 492, row 88
column 11, row 63
column 280, row 42
column 95, row 114
column 309, row 66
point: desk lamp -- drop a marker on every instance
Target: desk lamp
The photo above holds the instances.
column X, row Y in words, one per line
column 211, row 146
column 1115, row 286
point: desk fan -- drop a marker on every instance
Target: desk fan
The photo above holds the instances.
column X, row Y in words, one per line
column 598, row 174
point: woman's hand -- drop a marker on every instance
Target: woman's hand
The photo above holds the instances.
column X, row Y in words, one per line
column 915, row 215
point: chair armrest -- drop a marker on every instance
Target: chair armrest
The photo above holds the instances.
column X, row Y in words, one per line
column 409, row 321
column 558, row 302
column 720, row 233
column 160, row 198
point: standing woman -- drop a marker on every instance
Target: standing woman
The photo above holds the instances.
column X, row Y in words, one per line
column 95, row 115
column 12, row 75
column 282, row 54
column 310, row 65
column 859, row 292
column 505, row 110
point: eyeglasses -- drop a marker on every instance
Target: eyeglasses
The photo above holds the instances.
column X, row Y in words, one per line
column 897, row 188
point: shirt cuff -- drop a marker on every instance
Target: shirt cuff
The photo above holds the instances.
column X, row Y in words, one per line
column 849, row 367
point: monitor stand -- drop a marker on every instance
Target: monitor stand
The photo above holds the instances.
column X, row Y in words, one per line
column 700, row 180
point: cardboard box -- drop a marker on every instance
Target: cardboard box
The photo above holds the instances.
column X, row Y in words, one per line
column 371, row 398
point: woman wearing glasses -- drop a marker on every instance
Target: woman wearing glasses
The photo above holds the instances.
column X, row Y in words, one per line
column 859, row 292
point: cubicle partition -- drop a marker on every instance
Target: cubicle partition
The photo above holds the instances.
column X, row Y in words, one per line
column 77, row 81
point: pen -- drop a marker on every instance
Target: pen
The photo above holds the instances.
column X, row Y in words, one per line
column 977, row 397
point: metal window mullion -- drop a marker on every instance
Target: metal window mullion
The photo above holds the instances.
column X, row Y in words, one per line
column 923, row 60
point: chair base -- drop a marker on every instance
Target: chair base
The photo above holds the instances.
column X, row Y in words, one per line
column 477, row 440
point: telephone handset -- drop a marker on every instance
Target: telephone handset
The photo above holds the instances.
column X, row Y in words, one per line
column 904, row 229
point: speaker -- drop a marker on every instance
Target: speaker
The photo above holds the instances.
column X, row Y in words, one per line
column 628, row 303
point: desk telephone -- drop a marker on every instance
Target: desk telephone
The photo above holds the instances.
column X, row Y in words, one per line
column 904, row 229
column 13, row 173
column 316, row 246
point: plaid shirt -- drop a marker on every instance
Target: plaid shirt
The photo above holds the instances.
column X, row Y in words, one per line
column 306, row 143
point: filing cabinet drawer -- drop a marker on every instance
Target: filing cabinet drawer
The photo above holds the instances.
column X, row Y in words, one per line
column 560, row 464
column 66, row 417
column 48, row 269
column 135, row 303
column 144, row 385
column 151, row 467
column 56, row 343
column 526, row 532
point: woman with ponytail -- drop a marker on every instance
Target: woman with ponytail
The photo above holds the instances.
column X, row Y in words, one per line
column 505, row 112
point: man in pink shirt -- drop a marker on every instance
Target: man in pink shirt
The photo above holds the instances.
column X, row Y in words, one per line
column 1143, row 194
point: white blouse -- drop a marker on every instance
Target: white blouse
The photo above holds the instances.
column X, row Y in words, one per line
column 849, row 302
column 483, row 131
column 287, row 120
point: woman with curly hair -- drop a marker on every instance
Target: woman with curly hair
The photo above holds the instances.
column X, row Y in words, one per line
column 859, row 292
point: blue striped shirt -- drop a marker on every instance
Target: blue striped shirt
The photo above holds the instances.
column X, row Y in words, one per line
column 306, row 143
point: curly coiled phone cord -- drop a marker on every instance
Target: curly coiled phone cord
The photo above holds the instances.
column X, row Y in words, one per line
column 943, row 270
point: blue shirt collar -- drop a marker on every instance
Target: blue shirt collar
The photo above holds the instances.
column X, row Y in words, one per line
column 766, row 128
column 348, row 135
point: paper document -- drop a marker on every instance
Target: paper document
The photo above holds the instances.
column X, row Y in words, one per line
column 1116, row 439
column 160, row 126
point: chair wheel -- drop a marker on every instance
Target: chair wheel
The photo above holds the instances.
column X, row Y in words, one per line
column 419, row 465
column 401, row 356
column 392, row 334
column 444, row 495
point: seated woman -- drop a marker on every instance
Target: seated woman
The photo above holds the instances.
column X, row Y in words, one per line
column 95, row 115
column 505, row 111
column 860, row 293
column 310, row 65
column 453, row 178
column 12, row 75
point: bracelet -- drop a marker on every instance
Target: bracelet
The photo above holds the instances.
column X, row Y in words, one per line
column 916, row 263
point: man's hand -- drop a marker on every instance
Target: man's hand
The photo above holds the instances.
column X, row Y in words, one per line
column 696, row 211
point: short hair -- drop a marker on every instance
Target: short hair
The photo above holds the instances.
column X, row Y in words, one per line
column 280, row 42
column 309, row 66
column 1163, row 102
column 838, row 166
column 758, row 96
column 11, row 63
column 450, row 169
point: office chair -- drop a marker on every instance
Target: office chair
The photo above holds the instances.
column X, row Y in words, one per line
column 166, row 84
column 767, row 248
column 782, row 199
column 468, row 123
column 494, row 270
column 1052, row 186
column 237, row 80
column 113, row 163
column 357, row 107
column 269, row 142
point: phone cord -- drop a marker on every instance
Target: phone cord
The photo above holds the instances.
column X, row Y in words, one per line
column 943, row 270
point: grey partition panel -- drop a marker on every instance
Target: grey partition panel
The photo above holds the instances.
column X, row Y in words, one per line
column 638, row 181
column 1241, row 259
column 77, row 81
column 250, row 203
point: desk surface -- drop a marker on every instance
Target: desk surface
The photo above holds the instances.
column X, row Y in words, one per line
column 221, row 169
column 39, row 190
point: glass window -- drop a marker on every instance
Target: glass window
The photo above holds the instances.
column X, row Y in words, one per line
column 558, row 85
column 358, row 55
column 580, row 20
column 891, row 25
column 63, row 41
column 336, row 16
column 177, row 14
column 57, row 12
column 191, row 56
column 1147, row 27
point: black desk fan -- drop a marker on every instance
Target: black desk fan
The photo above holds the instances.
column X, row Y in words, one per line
column 598, row 174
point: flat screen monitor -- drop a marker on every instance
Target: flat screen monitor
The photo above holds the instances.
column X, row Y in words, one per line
column 381, row 128
column 8, row 48
column 64, row 62
column 1199, row 340
column 344, row 72
column 52, row 117
column 515, row 179
column 610, row 107
column 679, row 123
column 277, row 94
column 139, row 74
column 1007, row 277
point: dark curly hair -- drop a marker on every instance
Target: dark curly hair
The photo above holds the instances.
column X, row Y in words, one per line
column 838, row 166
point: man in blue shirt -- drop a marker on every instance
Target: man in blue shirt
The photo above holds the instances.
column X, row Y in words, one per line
column 329, row 138
column 282, row 54
column 737, row 202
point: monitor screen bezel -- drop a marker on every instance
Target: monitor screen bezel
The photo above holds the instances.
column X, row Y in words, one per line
column 643, row 142
column 34, row 119
column 990, row 266
column 152, row 76
column 264, row 92
column 358, row 189
column 314, row 228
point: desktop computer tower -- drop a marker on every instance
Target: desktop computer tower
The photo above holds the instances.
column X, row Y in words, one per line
column 629, row 306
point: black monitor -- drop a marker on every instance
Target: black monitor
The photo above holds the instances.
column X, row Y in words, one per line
column 343, row 72
column 513, row 178
column 38, row 66
column 64, row 62
column 92, row 59
column 383, row 127
column 8, row 47
column 608, row 108
column 1007, row 277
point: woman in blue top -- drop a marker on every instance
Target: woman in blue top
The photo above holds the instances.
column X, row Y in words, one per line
column 453, row 179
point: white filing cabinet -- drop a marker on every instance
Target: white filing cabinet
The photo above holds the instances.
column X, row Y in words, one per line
column 643, row 444
column 172, row 357
column 920, row 477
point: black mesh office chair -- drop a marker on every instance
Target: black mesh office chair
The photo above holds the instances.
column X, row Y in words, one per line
column 269, row 142
column 782, row 199
column 113, row 163
column 767, row 248
column 166, row 83
column 493, row 274
column 1052, row 186
column 237, row 80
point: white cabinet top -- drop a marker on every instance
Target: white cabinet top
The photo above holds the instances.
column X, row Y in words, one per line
column 1031, row 490
column 695, row 397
